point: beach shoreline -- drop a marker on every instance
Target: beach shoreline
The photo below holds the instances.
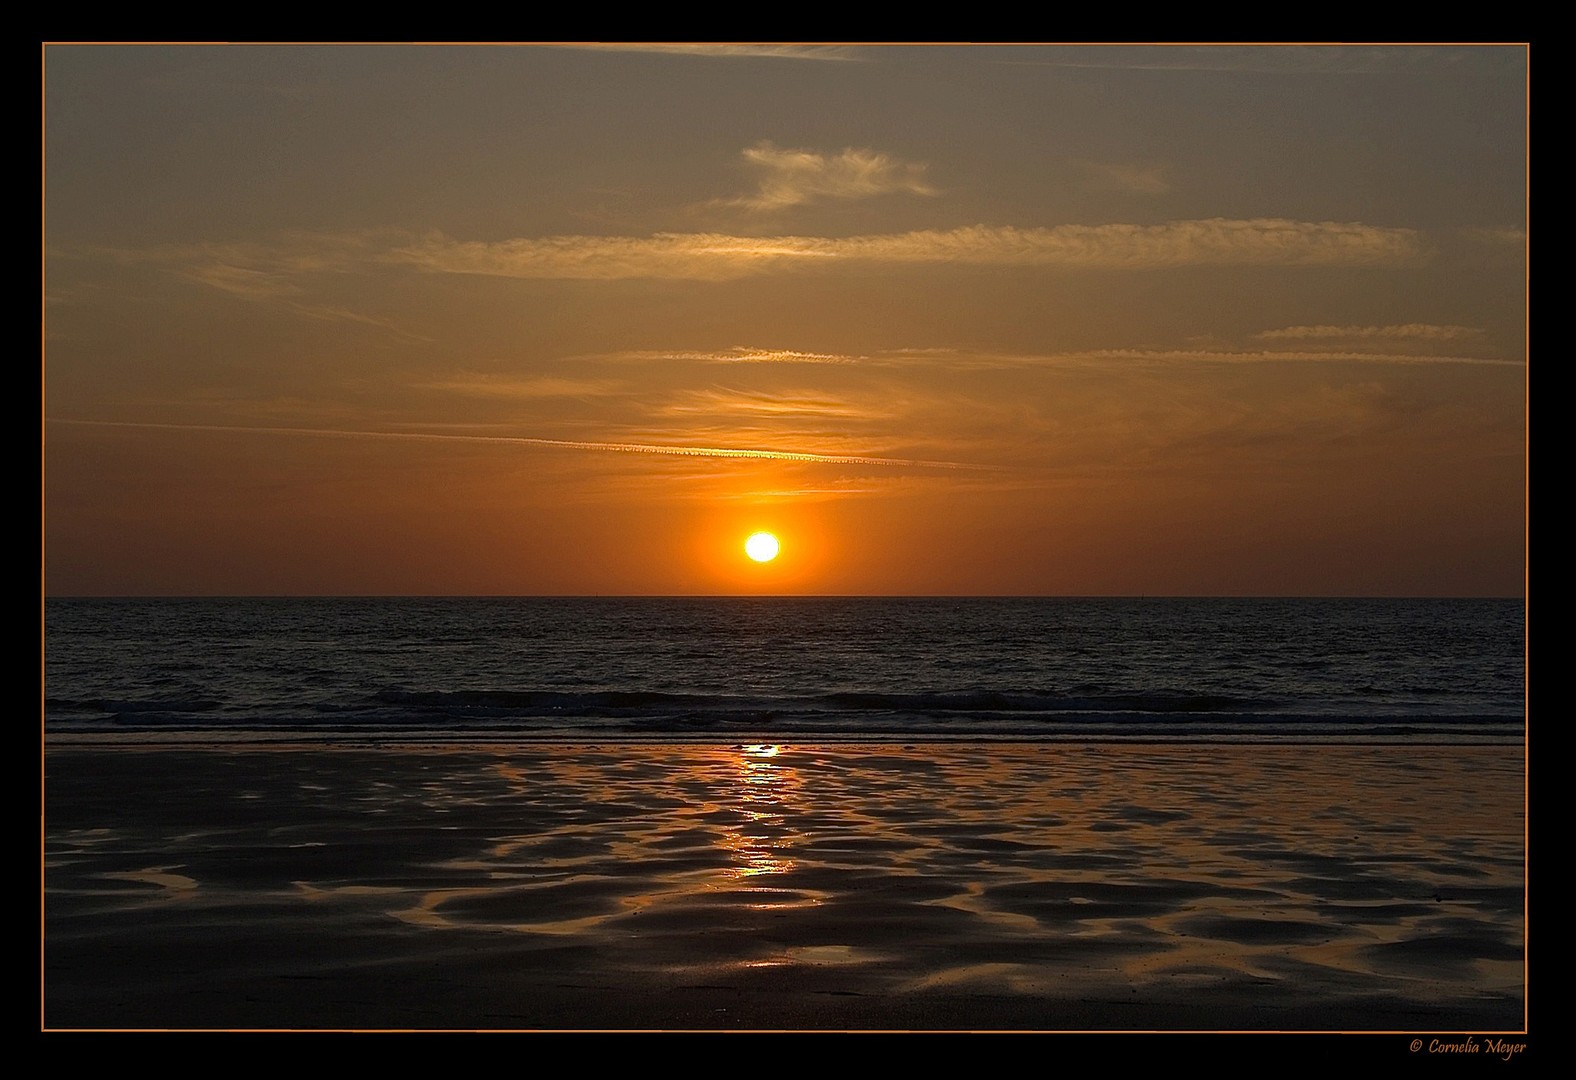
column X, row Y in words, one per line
column 826, row 886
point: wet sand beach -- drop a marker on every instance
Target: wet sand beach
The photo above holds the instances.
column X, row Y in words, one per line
column 832, row 887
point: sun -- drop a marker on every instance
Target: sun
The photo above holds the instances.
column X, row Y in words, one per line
column 762, row 547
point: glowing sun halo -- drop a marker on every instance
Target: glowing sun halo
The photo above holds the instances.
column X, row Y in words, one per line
column 762, row 547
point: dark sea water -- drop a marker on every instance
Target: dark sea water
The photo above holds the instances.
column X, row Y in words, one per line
column 765, row 669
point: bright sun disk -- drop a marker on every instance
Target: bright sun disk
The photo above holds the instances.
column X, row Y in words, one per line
column 762, row 547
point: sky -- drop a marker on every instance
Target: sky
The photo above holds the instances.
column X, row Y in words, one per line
column 947, row 320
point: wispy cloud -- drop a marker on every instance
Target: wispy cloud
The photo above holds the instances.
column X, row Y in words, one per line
column 269, row 273
column 241, row 281
column 848, row 488
column 1132, row 179
column 1403, row 331
column 725, row 401
column 966, row 359
column 1294, row 60
column 546, row 386
column 1321, row 356
column 322, row 312
column 983, row 359
column 663, row 449
column 718, row 256
column 796, row 177
column 327, row 313
column 278, row 271
column 726, row 51
column 1496, row 237
column 739, row 354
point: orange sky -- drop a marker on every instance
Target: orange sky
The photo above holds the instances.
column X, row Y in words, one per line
column 1025, row 320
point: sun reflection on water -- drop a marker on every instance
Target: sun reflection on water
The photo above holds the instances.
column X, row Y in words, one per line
column 759, row 842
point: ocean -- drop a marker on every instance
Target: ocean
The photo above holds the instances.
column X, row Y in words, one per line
column 510, row 669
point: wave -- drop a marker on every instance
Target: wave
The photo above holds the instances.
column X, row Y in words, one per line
column 537, row 713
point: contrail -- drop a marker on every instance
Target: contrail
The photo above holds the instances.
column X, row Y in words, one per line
column 564, row 444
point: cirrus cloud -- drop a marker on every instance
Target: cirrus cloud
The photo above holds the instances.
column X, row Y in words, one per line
column 795, row 177
column 264, row 271
column 655, row 448
column 1129, row 179
column 720, row 256
column 723, row 50
column 1403, row 331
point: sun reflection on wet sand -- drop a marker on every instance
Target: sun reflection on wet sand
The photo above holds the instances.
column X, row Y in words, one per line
column 1262, row 881
column 760, row 843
